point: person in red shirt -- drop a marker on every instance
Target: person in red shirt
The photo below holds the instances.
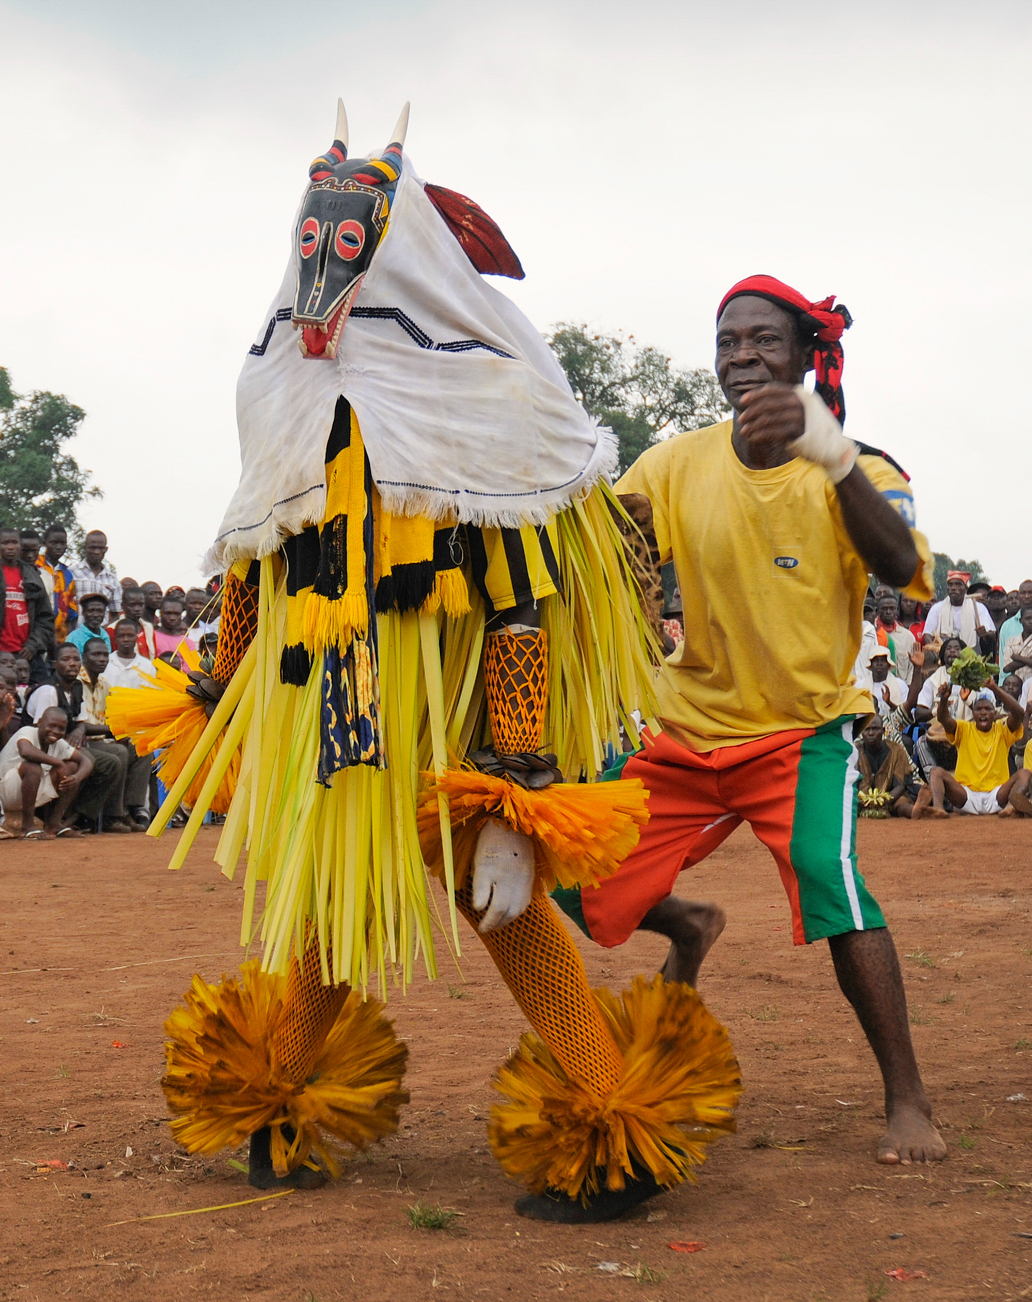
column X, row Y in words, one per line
column 26, row 612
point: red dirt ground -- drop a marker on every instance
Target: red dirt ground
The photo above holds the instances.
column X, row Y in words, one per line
column 99, row 940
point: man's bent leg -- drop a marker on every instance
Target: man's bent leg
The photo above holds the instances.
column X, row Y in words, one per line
column 692, row 927
column 868, row 973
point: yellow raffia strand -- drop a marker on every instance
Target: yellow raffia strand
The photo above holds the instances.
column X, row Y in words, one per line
column 582, row 832
column 196, row 1211
column 604, row 654
column 676, row 1094
column 223, row 1080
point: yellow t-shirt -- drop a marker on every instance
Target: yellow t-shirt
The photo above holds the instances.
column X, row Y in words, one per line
column 771, row 584
column 982, row 756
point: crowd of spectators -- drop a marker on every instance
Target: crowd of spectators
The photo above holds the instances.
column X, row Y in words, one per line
column 932, row 747
column 68, row 634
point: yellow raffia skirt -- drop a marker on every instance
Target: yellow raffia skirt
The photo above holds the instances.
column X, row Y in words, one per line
column 345, row 858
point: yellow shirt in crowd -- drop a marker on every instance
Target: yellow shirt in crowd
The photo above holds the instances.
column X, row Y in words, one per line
column 771, row 584
column 982, row 756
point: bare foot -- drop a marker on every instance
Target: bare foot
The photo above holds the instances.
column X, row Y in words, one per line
column 1007, row 812
column 693, row 927
column 922, row 803
column 911, row 1137
column 937, row 813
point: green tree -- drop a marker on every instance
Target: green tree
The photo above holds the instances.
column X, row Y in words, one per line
column 943, row 563
column 638, row 392
column 40, row 483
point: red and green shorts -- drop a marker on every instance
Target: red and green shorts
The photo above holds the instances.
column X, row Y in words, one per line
column 796, row 790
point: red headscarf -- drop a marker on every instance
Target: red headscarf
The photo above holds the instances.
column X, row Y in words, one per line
column 828, row 324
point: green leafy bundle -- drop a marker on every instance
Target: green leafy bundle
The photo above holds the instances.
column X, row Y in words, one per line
column 972, row 670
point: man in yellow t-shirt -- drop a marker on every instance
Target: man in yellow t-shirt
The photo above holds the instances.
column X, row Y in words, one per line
column 773, row 520
column 982, row 781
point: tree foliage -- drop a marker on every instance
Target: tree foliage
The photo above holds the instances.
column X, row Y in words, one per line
column 40, row 483
column 639, row 392
column 943, row 563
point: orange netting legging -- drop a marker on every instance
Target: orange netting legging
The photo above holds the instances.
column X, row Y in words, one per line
column 538, row 962
column 516, row 685
column 237, row 626
column 309, row 1012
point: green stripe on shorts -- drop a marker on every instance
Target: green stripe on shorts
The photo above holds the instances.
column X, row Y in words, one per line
column 832, row 896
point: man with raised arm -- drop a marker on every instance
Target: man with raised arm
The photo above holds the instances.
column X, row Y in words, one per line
column 773, row 520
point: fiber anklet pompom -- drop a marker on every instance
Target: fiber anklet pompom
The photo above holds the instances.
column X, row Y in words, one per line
column 223, row 1081
column 677, row 1093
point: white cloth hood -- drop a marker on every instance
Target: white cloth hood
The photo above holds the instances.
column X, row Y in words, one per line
column 462, row 405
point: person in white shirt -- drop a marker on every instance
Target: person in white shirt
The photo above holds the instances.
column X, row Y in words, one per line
column 959, row 615
column 959, row 696
column 887, row 689
column 39, row 767
column 127, row 667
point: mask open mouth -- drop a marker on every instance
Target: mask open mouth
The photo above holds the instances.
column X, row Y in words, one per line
column 322, row 340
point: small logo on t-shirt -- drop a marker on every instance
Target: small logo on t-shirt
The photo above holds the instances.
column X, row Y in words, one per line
column 785, row 562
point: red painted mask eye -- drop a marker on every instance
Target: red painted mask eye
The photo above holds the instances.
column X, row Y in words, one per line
column 308, row 237
column 350, row 238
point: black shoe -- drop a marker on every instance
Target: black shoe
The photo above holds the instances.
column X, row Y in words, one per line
column 140, row 817
column 262, row 1174
column 606, row 1205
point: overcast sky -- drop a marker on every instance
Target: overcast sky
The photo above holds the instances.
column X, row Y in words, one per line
column 640, row 158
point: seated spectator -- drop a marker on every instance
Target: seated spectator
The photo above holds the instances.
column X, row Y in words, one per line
column 10, row 709
column 29, row 542
column 1016, row 653
column 66, row 692
column 895, row 636
column 22, row 679
column 133, row 607
column 26, row 613
column 92, row 609
column 884, row 767
column 887, row 690
column 59, row 581
column 93, row 575
column 126, row 807
column 39, row 767
column 169, row 633
column 982, row 782
column 152, row 595
column 959, row 615
column 960, row 697
column 127, row 667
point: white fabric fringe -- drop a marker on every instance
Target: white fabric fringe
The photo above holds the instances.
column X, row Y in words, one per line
column 490, row 433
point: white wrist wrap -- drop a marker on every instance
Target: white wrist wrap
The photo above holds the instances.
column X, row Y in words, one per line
column 822, row 440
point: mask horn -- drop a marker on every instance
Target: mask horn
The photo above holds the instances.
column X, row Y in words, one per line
column 340, row 137
column 337, row 152
column 401, row 130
